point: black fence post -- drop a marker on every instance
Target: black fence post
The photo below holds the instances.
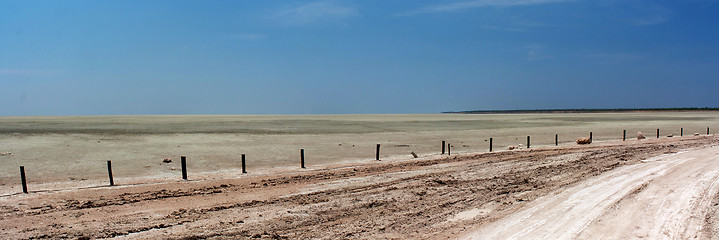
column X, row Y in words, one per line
column 556, row 139
column 624, row 136
column 302, row 158
column 449, row 149
column 681, row 132
column 22, row 179
column 109, row 172
column 527, row 141
column 377, row 158
column 490, row 144
column 244, row 170
column 443, row 143
column 657, row 132
column 590, row 136
column 183, row 163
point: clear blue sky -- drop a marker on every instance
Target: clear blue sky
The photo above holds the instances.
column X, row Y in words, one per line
column 328, row 57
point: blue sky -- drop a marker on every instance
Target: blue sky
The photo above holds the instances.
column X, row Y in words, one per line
column 341, row 57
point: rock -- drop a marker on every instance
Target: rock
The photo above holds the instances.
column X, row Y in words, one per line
column 167, row 160
column 512, row 147
column 584, row 140
column 640, row 135
column 414, row 155
column 670, row 135
column 696, row 134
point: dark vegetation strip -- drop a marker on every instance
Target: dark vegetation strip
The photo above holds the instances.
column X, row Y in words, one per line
column 588, row 110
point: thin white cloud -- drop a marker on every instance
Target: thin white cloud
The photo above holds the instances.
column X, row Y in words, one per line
column 534, row 24
column 248, row 36
column 19, row 71
column 650, row 20
column 652, row 15
column 497, row 28
column 316, row 12
column 535, row 52
column 458, row 6
column 615, row 56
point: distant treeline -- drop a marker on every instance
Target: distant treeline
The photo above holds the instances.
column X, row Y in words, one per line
column 605, row 110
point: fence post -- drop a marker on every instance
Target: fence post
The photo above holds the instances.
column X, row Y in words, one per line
column 377, row 158
column 657, row 132
column 183, row 163
column 590, row 136
column 490, row 144
column 443, row 143
column 624, row 137
column 22, row 179
column 527, row 141
column 109, row 172
column 302, row 158
column 556, row 139
column 449, row 149
column 243, row 164
column 681, row 132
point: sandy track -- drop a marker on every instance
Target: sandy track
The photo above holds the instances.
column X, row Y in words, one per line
column 672, row 205
column 665, row 197
column 428, row 198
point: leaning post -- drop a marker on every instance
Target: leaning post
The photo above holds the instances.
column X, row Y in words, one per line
column 22, row 179
column 109, row 172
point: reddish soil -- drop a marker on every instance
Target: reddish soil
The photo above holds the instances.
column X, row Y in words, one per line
column 446, row 197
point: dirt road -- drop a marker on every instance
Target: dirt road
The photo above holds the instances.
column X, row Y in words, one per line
column 433, row 197
column 665, row 197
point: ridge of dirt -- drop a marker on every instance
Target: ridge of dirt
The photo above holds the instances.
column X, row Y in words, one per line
column 711, row 220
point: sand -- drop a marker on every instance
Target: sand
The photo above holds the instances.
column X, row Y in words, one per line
column 549, row 192
column 664, row 197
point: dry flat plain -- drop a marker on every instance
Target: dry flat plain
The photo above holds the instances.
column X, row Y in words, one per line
column 653, row 188
column 61, row 149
